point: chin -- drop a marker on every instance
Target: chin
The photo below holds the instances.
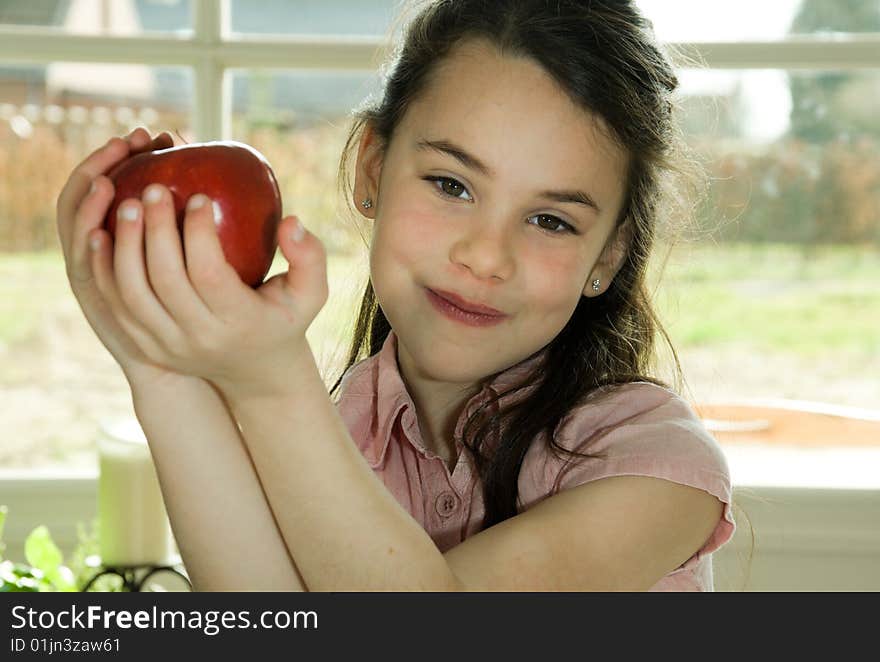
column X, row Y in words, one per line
column 452, row 364
column 445, row 362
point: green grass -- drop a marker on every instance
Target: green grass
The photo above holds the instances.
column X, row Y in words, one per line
column 31, row 285
column 773, row 298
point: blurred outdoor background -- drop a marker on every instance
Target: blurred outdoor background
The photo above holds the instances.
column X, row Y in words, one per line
column 772, row 295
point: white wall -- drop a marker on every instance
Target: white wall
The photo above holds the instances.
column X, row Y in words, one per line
column 805, row 539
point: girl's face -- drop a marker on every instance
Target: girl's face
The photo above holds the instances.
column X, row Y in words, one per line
column 460, row 206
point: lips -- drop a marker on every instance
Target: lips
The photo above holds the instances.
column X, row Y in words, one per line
column 468, row 306
column 452, row 311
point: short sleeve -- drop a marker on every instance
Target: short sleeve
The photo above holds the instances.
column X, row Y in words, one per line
column 647, row 430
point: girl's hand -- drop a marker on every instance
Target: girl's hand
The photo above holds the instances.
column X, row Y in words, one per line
column 79, row 211
column 185, row 308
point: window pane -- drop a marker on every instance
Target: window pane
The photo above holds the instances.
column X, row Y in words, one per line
column 719, row 20
column 100, row 17
column 299, row 120
column 57, row 381
column 780, row 300
column 312, row 17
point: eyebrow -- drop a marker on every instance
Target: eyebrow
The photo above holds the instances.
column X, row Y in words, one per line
column 472, row 162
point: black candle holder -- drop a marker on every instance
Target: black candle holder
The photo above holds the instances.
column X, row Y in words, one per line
column 134, row 576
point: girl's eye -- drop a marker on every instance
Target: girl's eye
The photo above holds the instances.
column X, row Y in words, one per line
column 449, row 186
column 453, row 188
column 552, row 224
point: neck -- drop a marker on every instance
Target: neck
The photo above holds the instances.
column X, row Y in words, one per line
column 438, row 407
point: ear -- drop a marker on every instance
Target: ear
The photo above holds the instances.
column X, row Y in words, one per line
column 368, row 169
column 611, row 259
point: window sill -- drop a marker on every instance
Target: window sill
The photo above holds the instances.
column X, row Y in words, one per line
column 830, row 467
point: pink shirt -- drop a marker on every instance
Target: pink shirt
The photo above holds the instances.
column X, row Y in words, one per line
column 643, row 429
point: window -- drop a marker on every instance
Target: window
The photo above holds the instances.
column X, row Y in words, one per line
column 780, row 303
column 773, row 311
column 66, row 85
column 252, row 18
column 775, row 301
column 127, row 18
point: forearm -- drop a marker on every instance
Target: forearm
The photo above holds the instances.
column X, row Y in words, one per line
column 343, row 528
column 225, row 530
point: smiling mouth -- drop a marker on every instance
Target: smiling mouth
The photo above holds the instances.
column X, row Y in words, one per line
column 467, row 306
column 467, row 317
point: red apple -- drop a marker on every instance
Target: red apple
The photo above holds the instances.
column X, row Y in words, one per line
column 235, row 176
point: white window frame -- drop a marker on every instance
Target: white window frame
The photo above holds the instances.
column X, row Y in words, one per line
column 819, row 539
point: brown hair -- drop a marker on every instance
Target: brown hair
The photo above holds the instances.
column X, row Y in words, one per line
column 604, row 56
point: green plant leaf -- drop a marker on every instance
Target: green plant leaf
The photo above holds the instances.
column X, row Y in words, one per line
column 18, row 578
column 41, row 552
column 62, row 579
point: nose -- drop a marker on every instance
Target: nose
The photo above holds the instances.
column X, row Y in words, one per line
column 485, row 251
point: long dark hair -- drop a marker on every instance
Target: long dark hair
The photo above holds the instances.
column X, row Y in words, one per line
column 604, row 55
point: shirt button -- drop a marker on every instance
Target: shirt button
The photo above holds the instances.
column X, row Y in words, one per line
column 446, row 504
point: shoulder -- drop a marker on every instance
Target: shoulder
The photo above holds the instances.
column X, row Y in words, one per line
column 646, row 429
column 650, row 502
column 359, row 379
column 636, row 430
column 356, row 399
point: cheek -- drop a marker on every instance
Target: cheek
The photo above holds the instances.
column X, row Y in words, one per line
column 554, row 283
column 406, row 236
column 402, row 250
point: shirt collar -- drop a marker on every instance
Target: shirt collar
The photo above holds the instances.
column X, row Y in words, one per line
column 394, row 401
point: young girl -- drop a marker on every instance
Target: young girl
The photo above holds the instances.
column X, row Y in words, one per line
column 494, row 428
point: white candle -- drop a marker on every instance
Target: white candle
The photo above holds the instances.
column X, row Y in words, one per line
column 133, row 523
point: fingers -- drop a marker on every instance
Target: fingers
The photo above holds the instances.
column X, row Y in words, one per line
column 130, row 272
column 129, row 283
column 165, row 263
column 304, row 286
column 146, row 144
column 211, row 275
column 138, row 139
column 79, row 183
column 307, row 258
column 89, row 215
column 74, row 223
column 101, row 266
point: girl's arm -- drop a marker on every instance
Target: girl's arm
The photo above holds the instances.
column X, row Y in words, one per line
column 227, row 541
column 341, row 524
column 347, row 532
column 183, row 310
column 224, row 528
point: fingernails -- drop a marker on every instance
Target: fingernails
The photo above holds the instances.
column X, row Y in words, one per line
column 153, row 194
column 128, row 213
column 199, row 200
column 196, row 202
column 298, row 232
column 95, row 243
column 93, row 187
